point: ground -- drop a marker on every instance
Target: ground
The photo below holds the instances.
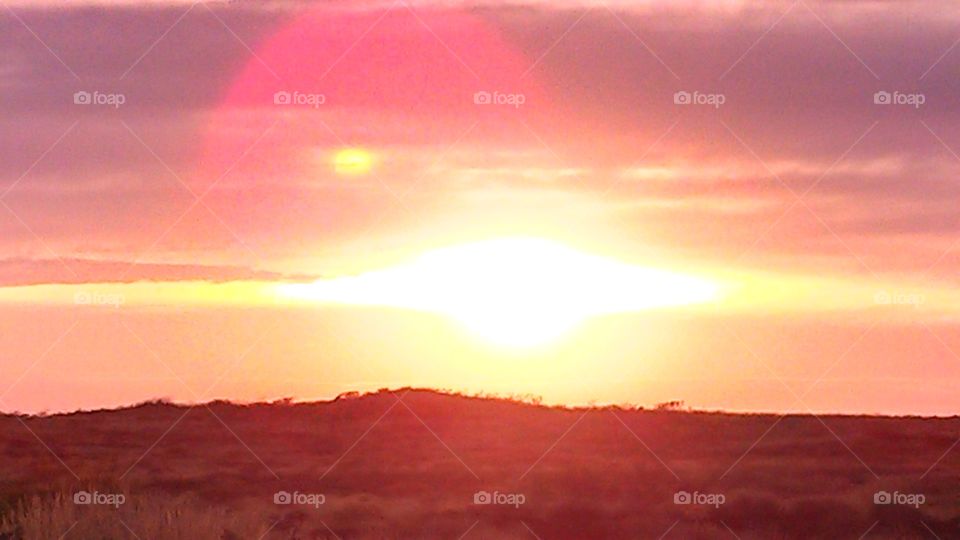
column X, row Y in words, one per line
column 411, row 464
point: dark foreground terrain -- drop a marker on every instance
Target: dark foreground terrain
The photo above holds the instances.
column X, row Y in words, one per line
column 420, row 464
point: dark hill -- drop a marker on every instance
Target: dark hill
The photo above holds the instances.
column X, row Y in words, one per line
column 408, row 464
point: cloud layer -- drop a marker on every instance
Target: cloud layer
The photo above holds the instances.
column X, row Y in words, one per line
column 599, row 127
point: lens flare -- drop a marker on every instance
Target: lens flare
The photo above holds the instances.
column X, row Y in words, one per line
column 352, row 162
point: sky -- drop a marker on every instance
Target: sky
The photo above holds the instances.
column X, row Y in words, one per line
column 746, row 206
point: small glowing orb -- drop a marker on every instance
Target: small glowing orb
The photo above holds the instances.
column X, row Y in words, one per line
column 352, row 162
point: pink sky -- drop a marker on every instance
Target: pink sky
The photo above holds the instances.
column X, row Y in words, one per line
column 198, row 191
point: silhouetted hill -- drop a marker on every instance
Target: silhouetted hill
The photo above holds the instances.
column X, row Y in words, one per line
column 408, row 463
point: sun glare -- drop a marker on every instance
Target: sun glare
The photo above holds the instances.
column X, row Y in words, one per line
column 512, row 291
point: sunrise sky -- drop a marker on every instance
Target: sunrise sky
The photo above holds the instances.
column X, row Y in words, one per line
column 748, row 206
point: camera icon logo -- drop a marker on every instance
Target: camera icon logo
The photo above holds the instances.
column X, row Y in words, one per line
column 82, row 497
column 882, row 98
column 282, row 497
column 682, row 98
column 281, row 98
column 82, row 98
column 482, row 497
column 482, row 98
column 882, row 497
column 682, row 497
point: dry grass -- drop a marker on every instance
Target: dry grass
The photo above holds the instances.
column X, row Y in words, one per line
column 402, row 480
column 160, row 518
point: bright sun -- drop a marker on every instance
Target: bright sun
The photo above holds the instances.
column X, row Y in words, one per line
column 512, row 291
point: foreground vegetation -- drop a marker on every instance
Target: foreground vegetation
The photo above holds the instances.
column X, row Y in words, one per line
column 378, row 467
